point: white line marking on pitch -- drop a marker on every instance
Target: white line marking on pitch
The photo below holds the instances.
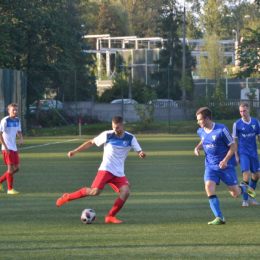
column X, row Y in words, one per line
column 35, row 146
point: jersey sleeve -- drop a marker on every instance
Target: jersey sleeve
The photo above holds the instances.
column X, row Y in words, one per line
column 234, row 131
column 227, row 136
column 258, row 132
column 101, row 139
column 135, row 145
column 3, row 125
column 19, row 127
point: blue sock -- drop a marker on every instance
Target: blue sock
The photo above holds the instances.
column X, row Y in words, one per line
column 245, row 195
column 215, row 207
column 253, row 184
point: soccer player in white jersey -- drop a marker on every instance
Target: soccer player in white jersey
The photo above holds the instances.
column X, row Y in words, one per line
column 10, row 127
column 117, row 144
column 220, row 161
column 245, row 131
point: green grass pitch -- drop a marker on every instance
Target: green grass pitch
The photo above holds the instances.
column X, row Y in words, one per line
column 165, row 216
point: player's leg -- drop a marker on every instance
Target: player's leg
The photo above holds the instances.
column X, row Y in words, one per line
column 13, row 165
column 120, row 184
column 254, row 167
column 98, row 185
column 7, row 173
column 245, row 168
column 210, row 187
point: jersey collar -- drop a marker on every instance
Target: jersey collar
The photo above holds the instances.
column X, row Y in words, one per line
column 247, row 122
column 209, row 131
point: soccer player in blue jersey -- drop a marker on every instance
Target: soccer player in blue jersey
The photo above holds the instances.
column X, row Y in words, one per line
column 10, row 127
column 245, row 131
column 220, row 161
column 117, row 144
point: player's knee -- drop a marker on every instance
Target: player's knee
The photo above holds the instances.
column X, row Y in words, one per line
column 125, row 193
column 95, row 192
column 17, row 169
column 235, row 194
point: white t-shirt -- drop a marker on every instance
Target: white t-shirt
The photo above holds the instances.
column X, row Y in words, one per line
column 116, row 150
column 10, row 127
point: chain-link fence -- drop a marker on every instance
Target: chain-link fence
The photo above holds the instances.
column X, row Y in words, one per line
column 13, row 90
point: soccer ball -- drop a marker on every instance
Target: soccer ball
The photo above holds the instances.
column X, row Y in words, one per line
column 88, row 216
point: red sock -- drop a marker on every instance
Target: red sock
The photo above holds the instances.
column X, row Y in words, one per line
column 78, row 194
column 3, row 178
column 117, row 206
column 10, row 178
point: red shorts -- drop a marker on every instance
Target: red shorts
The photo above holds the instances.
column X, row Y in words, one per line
column 11, row 158
column 104, row 177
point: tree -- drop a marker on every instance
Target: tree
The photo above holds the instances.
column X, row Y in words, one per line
column 111, row 19
column 213, row 18
column 249, row 54
column 146, row 112
column 212, row 65
column 44, row 38
column 142, row 15
column 169, row 65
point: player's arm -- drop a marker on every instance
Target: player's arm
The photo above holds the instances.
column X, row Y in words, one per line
column 237, row 156
column 3, row 142
column 198, row 148
column 142, row 154
column 231, row 151
column 84, row 146
column 258, row 138
column 20, row 136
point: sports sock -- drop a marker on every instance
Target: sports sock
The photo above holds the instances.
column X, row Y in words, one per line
column 119, row 203
column 3, row 178
column 245, row 195
column 215, row 207
column 10, row 178
column 78, row 194
column 253, row 183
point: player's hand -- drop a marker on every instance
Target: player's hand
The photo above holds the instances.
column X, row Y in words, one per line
column 20, row 142
column 71, row 153
column 223, row 165
column 197, row 151
column 142, row 154
column 237, row 159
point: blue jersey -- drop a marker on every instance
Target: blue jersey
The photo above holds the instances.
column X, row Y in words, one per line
column 216, row 146
column 246, row 134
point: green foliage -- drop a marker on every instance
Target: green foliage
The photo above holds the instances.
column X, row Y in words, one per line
column 170, row 63
column 120, row 83
column 211, row 66
column 248, row 53
column 186, row 83
column 146, row 111
column 232, row 73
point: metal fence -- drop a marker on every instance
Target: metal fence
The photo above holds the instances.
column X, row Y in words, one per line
column 13, row 87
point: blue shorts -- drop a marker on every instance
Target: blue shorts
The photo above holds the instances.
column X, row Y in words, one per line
column 249, row 163
column 228, row 176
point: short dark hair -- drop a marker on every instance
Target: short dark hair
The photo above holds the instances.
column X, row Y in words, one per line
column 118, row 120
column 205, row 112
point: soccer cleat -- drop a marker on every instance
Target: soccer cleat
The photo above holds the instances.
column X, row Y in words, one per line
column 1, row 187
column 245, row 203
column 109, row 219
column 63, row 199
column 217, row 221
column 12, row 191
column 249, row 190
column 253, row 201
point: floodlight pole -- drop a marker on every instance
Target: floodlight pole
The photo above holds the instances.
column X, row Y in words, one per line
column 183, row 67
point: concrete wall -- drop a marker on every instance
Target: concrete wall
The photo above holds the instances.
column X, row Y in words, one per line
column 105, row 112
